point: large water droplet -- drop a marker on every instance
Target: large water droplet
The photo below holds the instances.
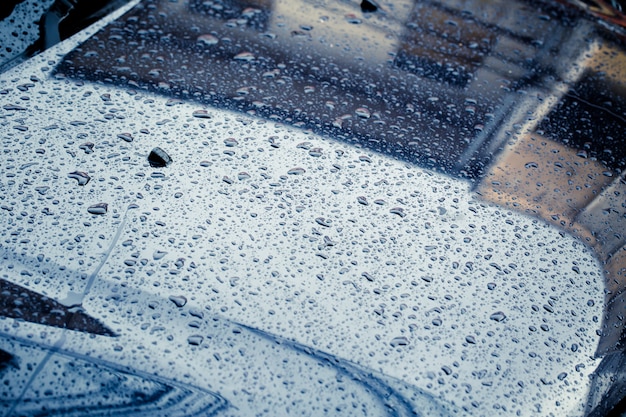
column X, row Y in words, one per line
column 87, row 147
column 316, row 152
column 399, row 211
column 195, row 340
column 179, row 300
column 159, row 254
column 244, row 56
column 367, row 276
column 207, row 39
column 100, row 208
column 231, row 142
column 82, row 177
column 158, row 158
column 498, row 316
column 363, row 113
column 126, row 137
column 201, row 114
column 323, row 222
column 399, row 341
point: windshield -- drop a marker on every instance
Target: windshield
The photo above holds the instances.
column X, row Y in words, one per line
column 273, row 207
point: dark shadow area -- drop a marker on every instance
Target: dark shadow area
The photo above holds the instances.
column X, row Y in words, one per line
column 21, row 303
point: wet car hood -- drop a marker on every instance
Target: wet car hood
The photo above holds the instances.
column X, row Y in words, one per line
column 238, row 209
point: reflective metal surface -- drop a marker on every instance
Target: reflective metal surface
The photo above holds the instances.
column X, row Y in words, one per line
column 425, row 199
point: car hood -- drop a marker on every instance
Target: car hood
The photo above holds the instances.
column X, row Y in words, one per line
column 213, row 254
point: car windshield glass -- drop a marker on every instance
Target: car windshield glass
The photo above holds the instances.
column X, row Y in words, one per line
column 291, row 207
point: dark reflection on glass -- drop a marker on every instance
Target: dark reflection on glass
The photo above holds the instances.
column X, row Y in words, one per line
column 421, row 92
column 434, row 44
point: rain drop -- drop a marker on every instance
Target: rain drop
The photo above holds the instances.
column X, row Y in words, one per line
column 179, row 300
column 244, row 56
column 399, row 341
column 201, row 114
column 159, row 254
column 363, row 113
column 498, row 316
column 195, row 340
column 399, row 211
column 87, row 147
column 126, row 137
column 158, row 158
column 82, row 177
column 231, row 142
column 323, row 222
column 100, row 208
column 207, row 39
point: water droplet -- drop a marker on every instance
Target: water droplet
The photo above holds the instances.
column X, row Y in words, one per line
column 316, row 152
column 323, row 222
column 399, row 211
column 529, row 165
column 159, row 254
column 352, row 18
column 231, row 142
column 362, row 200
column 82, row 177
column 87, row 147
column 296, row 171
column 126, row 137
column 304, row 145
column 158, row 158
column 367, row 276
column 491, row 286
column 498, row 316
column 195, row 340
column 207, row 39
column 100, row 208
column 470, row 339
column 399, row 341
column 363, row 113
column 244, row 56
column 201, row 114
column 365, row 158
column 179, row 300
column 243, row 176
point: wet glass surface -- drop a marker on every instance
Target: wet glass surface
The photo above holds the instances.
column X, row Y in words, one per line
column 419, row 205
